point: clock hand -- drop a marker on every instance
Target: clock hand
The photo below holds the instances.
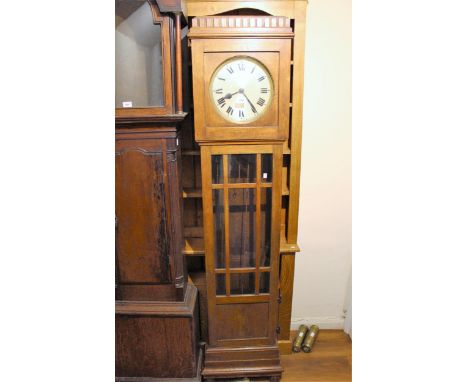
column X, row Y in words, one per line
column 251, row 104
column 229, row 95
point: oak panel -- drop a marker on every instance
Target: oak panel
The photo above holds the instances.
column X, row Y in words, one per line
column 242, row 321
column 142, row 247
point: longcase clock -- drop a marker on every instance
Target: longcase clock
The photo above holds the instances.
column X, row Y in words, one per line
column 156, row 308
column 241, row 91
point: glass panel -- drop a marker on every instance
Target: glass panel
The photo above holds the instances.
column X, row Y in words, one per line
column 138, row 57
column 217, row 169
column 242, row 227
column 218, row 223
column 242, row 168
column 242, row 283
column 265, row 282
column 220, row 284
column 265, row 231
column 267, row 168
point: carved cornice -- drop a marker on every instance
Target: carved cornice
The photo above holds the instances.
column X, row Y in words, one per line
column 241, row 22
column 238, row 26
column 139, row 150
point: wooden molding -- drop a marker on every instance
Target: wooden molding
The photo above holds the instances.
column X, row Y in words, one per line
column 149, row 119
column 242, row 362
column 183, row 308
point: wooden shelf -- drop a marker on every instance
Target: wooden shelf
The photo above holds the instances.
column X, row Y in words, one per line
column 191, row 152
column 288, row 248
column 194, row 246
column 191, row 193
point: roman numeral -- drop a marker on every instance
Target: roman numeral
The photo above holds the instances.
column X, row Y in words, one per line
column 264, row 90
column 230, row 110
column 230, row 70
column 252, row 70
column 261, row 102
column 241, row 66
column 221, row 102
column 261, row 78
column 222, row 79
column 241, row 114
column 220, row 91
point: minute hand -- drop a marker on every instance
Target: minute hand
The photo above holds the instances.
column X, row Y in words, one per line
column 251, row 104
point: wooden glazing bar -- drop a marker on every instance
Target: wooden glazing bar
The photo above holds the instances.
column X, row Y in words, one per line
column 242, row 270
column 245, row 299
column 226, row 224
column 258, row 224
column 241, row 148
column 242, row 185
column 234, row 185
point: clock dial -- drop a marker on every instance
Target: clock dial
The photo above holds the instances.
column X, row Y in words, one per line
column 241, row 90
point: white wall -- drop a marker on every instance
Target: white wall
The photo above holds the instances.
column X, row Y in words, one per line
column 323, row 267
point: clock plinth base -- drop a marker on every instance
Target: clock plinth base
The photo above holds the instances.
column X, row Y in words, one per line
column 257, row 361
column 158, row 341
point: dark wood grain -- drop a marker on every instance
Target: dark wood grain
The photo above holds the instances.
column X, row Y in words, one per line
column 142, row 247
column 149, row 212
column 157, row 339
column 157, row 314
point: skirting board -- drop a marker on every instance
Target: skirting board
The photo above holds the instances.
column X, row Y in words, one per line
column 321, row 322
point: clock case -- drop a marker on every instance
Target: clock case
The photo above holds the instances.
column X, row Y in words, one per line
column 242, row 328
column 216, row 39
column 156, row 306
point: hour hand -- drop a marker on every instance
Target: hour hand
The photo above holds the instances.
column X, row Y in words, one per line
column 229, row 95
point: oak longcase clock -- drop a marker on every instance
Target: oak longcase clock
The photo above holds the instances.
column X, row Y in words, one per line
column 241, row 92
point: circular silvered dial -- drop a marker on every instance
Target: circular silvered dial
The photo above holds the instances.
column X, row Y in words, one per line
column 241, row 89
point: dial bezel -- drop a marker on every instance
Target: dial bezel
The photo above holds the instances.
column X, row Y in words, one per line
column 268, row 77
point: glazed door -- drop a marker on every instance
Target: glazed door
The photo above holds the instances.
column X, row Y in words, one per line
column 241, row 198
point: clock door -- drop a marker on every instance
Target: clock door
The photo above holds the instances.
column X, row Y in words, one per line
column 241, row 199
